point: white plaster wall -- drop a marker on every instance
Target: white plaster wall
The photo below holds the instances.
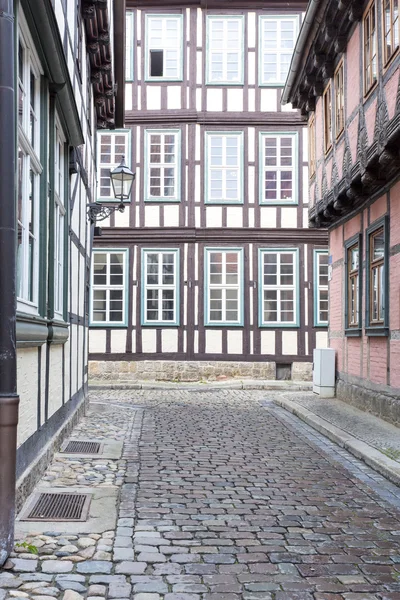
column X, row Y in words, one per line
column 27, row 378
column 234, row 216
column 268, row 216
column 171, row 215
column 289, row 216
column 118, row 341
column 268, row 100
column 153, row 97
column 321, row 339
column 169, row 340
column 149, row 337
column 235, row 342
column 289, row 342
column 214, row 100
column 235, row 100
column 151, row 216
column 214, row 216
column 213, row 341
column 97, row 340
column 267, row 341
column 55, row 379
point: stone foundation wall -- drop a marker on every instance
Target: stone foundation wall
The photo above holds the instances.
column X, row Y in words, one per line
column 190, row 371
column 377, row 402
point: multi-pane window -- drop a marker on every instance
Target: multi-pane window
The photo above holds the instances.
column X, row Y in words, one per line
column 129, row 38
column 112, row 146
column 223, row 286
column 370, row 48
column 278, row 287
column 321, row 287
column 108, row 290
column 160, row 286
column 312, row 155
column 353, row 286
column 376, row 277
column 277, row 40
column 339, row 99
column 225, row 50
column 162, row 165
column 59, row 218
column 224, row 166
column 390, row 28
column 278, row 169
column 29, row 170
column 327, row 104
column 164, row 47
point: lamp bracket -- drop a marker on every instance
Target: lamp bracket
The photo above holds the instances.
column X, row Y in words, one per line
column 97, row 212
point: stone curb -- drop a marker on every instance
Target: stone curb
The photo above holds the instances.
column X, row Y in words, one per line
column 371, row 456
column 285, row 386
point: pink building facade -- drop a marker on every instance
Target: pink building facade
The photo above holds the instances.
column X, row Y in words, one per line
column 345, row 79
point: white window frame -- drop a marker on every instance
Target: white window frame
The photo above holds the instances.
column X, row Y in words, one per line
column 278, row 168
column 277, row 52
column 295, row 287
column 160, row 287
column 162, row 165
column 224, row 286
column 29, row 155
column 115, row 159
column 59, row 217
column 224, row 168
column 109, row 287
column 319, row 288
column 178, row 47
column 225, row 19
column 129, row 45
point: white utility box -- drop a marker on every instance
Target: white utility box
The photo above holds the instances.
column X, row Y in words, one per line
column 324, row 372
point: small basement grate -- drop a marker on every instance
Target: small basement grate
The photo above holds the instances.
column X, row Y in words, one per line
column 78, row 447
column 64, row 506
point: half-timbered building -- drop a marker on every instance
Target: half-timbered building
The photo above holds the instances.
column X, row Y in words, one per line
column 57, row 86
column 345, row 77
column 211, row 270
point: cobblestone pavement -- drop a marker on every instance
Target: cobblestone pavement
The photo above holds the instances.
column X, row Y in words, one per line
column 223, row 496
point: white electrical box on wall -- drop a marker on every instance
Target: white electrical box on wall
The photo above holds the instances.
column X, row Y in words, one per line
column 324, row 372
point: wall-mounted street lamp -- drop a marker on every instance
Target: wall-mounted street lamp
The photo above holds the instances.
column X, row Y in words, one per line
column 122, row 179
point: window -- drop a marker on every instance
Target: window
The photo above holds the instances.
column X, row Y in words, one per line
column 390, row 28
column 278, row 171
column 112, row 146
column 160, row 277
column 225, row 50
column 223, row 286
column 29, row 170
column 312, row 158
column 327, row 100
column 59, row 218
column 278, row 36
column 129, row 38
column 321, row 287
column 109, row 287
column 163, row 158
column 370, row 48
column 353, row 286
column 224, row 166
column 164, row 47
column 278, row 286
column 377, row 279
column 339, row 100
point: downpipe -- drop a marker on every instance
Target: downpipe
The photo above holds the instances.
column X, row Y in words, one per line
column 8, row 354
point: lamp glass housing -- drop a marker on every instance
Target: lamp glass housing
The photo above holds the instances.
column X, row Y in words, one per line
column 122, row 179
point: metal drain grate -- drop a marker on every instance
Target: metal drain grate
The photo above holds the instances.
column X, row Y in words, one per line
column 78, row 447
column 65, row 506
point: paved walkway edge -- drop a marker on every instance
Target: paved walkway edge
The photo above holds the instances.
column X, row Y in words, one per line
column 285, row 386
column 371, row 456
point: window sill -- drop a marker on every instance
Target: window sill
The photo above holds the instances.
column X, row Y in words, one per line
column 225, row 83
column 58, row 332
column 225, row 324
column 108, row 325
column 280, row 203
column 378, row 331
column 31, row 331
column 163, row 200
column 353, row 332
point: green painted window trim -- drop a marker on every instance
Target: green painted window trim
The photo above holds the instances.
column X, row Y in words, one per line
column 147, row 77
column 128, row 159
column 240, row 135
column 316, row 254
column 210, row 18
column 378, row 330
column 147, row 197
column 278, row 325
column 294, row 17
column 130, row 46
column 225, row 249
column 295, row 136
column 353, row 331
column 143, row 321
column 109, row 324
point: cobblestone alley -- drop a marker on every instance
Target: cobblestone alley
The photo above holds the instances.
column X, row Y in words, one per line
column 222, row 496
